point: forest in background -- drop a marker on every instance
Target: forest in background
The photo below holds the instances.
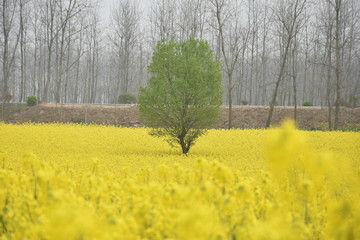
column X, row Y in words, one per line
column 281, row 52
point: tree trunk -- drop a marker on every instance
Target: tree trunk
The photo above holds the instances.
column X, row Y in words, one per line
column 338, row 4
column 184, row 147
column 230, row 100
column 229, row 64
column 60, row 71
column 8, row 55
column 292, row 28
column 294, row 72
column 328, row 83
column 279, row 78
column 22, row 54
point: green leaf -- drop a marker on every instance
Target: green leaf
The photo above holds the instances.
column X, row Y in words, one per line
column 184, row 94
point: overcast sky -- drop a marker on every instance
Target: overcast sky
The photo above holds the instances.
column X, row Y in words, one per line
column 108, row 5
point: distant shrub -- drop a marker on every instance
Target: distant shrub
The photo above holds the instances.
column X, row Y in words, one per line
column 244, row 102
column 308, row 103
column 31, row 101
column 126, row 98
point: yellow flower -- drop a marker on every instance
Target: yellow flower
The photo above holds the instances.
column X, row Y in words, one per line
column 103, row 182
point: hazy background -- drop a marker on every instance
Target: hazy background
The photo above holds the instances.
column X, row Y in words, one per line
column 106, row 7
column 284, row 52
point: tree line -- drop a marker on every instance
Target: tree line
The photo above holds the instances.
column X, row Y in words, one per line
column 282, row 52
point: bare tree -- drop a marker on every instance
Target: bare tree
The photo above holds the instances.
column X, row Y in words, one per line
column 54, row 49
column 289, row 17
column 265, row 51
column 93, row 59
column 253, row 16
column 225, row 15
column 36, row 50
column 79, row 53
column 192, row 19
column 337, row 5
column 294, row 72
column 339, row 21
column 353, row 40
column 48, row 17
column 67, row 11
column 163, row 14
column 23, row 12
column 9, row 40
column 326, row 25
column 125, row 36
column 9, row 35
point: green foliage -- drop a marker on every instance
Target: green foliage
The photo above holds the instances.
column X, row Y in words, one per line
column 31, row 101
column 244, row 102
column 126, row 98
column 184, row 95
column 308, row 104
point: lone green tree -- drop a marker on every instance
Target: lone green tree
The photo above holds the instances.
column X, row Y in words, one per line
column 184, row 94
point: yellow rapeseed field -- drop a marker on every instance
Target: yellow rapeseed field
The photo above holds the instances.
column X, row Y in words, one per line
column 64, row 181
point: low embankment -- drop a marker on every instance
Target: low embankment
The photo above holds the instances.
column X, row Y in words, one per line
column 128, row 115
